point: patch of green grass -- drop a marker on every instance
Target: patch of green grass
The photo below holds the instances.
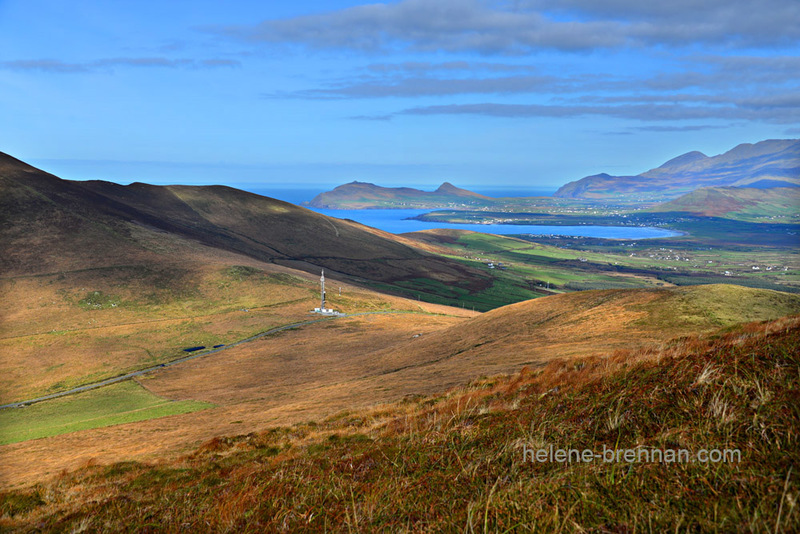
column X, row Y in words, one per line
column 503, row 290
column 125, row 402
column 242, row 271
column 751, row 281
column 600, row 284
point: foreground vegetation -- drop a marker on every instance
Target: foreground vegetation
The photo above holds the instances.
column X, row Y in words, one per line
column 454, row 462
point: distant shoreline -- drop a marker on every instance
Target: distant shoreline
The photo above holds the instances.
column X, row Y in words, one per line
column 400, row 221
column 301, row 196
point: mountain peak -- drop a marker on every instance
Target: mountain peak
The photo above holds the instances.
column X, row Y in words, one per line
column 447, row 187
column 359, row 195
column 684, row 159
column 773, row 161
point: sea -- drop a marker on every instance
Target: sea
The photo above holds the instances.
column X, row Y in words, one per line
column 399, row 221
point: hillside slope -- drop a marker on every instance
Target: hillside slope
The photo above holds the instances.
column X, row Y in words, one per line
column 53, row 225
column 355, row 362
column 741, row 203
column 499, row 341
column 102, row 279
column 772, row 163
column 460, row 462
column 587, row 322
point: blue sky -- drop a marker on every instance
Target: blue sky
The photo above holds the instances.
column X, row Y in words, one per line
column 525, row 93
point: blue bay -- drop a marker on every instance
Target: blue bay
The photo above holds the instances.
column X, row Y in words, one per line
column 397, row 222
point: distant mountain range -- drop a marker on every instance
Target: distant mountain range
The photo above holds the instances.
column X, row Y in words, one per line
column 764, row 165
column 361, row 195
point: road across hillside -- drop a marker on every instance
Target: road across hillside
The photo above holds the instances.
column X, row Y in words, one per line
column 133, row 374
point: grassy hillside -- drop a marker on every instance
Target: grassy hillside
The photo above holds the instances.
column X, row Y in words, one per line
column 72, row 328
column 588, row 322
column 102, row 279
column 781, row 204
column 54, row 225
column 352, row 362
column 456, row 461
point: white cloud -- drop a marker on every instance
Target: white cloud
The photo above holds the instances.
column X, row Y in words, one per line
column 525, row 26
column 743, row 110
column 56, row 66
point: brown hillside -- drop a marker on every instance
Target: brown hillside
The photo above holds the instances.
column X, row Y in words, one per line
column 586, row 322
column 421, row 465
column 359, row 361
column 53, row 225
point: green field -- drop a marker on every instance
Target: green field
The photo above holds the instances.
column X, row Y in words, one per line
column 503, row 290
column 524, row 270
column 125, row 402
column 538, row 265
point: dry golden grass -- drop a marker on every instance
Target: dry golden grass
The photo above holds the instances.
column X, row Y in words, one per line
column 360, row 361
column 582, row 323
column 48, row 343
column 50, row 340
column 454, row 461
column 295, row 376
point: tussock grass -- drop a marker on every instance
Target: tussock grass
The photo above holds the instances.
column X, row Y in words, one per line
column 454, row 462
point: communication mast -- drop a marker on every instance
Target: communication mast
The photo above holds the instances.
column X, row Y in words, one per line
column 322, row 289
column 322, row 310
